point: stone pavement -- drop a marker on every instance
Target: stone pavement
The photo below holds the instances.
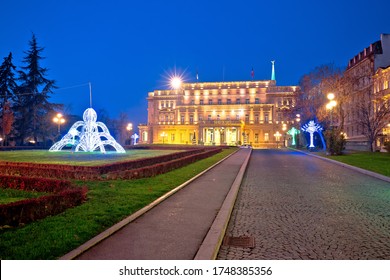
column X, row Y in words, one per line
column 175, row 228
column 300, row 207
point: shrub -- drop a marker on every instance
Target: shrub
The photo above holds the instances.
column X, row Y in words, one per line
column 335, row 142
column 63, row 195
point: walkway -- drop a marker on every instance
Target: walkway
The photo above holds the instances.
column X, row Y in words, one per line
column 175, row 228
column 300, row 207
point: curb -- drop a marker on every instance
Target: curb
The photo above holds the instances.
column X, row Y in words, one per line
column 358, row 169
column 108, row 232
column 213, row 240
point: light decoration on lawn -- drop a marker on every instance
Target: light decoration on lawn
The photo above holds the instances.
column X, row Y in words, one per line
column 311, row 127
column 88, row 136
column 134, row 137
column 293, row 132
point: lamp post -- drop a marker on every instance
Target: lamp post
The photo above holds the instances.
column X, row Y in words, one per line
column 277, row 136
column 163, row 135
column 58, row 119
column 330, row 105
column 298, row 119
column 129, row 128
column 284, row 128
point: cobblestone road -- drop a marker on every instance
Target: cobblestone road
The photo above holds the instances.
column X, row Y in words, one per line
column 300, row 207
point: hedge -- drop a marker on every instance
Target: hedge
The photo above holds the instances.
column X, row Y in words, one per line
column 161, row 168
column 62, row 196
column 62, row 171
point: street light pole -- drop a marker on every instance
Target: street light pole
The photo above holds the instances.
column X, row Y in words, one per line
column 58, row 119
column 277, row 136
column 129, row 128
column 330, row 105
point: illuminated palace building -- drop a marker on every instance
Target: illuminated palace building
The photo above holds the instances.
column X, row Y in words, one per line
column 256, row 113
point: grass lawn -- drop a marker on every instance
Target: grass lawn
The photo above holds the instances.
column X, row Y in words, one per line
column 377, row 162
column 12, row 195
column 108, row 203
column 82, row 158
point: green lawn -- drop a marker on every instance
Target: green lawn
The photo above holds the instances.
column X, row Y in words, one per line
column 377, row 162
column 12, row 195
column 81, row 158
column 108, row 202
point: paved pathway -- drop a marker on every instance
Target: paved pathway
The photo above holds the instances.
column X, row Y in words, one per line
column 175, row 228
column 300, row 207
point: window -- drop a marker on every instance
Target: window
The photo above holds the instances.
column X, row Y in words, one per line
column 201, row 117
column 237, row 117
column 210, row 102
column 209, row 117
column 256, row 118
column 238, row 101
column 266, row 118
column 257, row 101
column 266, row 137
column 192, row 102
column 247, row 118
column 218, row 117
column 219, row 101
column 182, row 119
column 256, row 138
column 247, row 101
column 229, row 101
column 201, row 102
column 173, row 137
column 191, row 119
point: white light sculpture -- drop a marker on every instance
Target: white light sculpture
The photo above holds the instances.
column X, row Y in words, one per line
column 86, row 136
column 135, row 137
column 311, row 127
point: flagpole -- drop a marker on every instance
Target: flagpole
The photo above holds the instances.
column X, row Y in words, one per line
column 90, row 94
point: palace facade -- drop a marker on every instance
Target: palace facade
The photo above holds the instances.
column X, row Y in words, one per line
column 256, row 113
column 381, row 81
column 363, row 70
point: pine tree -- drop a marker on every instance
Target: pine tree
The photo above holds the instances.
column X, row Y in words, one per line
column 7, row 92
column 32, row 96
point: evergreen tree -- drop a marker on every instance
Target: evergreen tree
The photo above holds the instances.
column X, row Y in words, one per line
column 7, row 91
column 32, row 96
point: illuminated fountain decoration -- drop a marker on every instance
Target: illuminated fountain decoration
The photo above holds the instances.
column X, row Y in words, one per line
column 311, row 127
column 293, row 132
column 88, row 136
column 134, row 137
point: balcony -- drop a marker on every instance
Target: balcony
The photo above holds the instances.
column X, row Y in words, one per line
column 220, row 122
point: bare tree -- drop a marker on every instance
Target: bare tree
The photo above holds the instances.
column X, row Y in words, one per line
column 374, row 115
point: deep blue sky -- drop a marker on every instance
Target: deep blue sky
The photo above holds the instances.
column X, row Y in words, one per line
column 128, row 48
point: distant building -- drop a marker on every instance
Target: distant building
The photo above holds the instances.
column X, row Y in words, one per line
column 220, row 113
column 361, row 68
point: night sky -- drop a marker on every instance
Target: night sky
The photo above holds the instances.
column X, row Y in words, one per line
column 128, row 48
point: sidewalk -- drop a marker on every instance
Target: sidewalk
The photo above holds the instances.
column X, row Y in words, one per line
column 176, row 228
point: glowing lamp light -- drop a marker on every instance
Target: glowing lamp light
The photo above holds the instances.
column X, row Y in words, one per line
column 330, row 96
column 176, row 82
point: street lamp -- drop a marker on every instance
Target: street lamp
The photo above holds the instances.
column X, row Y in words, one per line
column 284, row 128
column 58, row 119
column 129, row 128
column 330, row 105
column 163, row 135
column 277, row 136
column 176, row 82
